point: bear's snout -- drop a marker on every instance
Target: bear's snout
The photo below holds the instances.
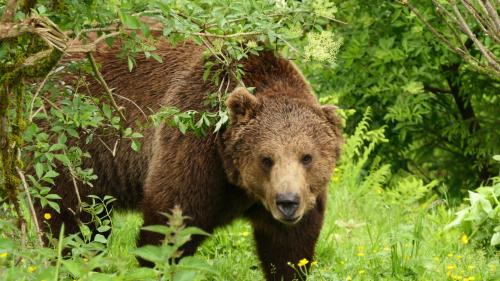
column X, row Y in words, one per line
column 288, row 203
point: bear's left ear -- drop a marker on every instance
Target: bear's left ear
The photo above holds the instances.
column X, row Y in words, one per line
column 241, row 104
column 330, row 112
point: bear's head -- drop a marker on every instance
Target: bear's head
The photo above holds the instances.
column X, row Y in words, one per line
column 281, row 150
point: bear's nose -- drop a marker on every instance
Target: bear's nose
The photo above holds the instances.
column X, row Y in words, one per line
column 287, row 204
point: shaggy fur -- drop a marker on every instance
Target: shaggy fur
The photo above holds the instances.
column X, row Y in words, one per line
column 220, row 177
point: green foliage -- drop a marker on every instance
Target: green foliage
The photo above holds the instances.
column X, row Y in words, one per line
column 480, row 219
column 369, row 235
column 440, row 115
column 357, row 150
column 164, row 256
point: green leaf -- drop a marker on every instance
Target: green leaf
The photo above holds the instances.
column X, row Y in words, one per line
column 130, row 21
column 495, row 239
column 193, row 231
column 103, row 228
column 130, row 63
column 136, row 145
column 39, row 169
column 54, row 206
column 51, row 174
column 53, row 196
column 184, row 275
column 162, row 229
column 156, row 254
column 100, row 238
column 63, row 158
column 75, row 268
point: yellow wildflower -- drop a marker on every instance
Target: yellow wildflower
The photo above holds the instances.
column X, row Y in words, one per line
column 471, row 278
column 47, row 216
column 450, row 255
column 464, row 239
column 456, row 277
column 361, row 254
column 349, row 278
column 4, row 255
column 244, row 233
column 451, row 267
column 361, row 272
column 458, row 257
column 313, row 263
column 31, row 269
column 302, row 262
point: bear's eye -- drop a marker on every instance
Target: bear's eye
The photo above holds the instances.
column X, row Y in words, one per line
column 267, row 162
column 306, row 159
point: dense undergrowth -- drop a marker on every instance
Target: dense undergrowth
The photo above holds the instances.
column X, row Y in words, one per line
column 374, row 230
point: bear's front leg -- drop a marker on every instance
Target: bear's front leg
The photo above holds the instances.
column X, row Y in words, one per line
column 279, row 244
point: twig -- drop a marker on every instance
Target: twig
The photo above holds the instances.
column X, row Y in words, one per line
column 490, row 57
column 37, row 92
column 233, row 35
column 31, row 207
column 477, row 16
column 104, row 85
column 133, row 102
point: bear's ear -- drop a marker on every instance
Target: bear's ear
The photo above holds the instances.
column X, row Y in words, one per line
column 241, row 104
column 330, row 112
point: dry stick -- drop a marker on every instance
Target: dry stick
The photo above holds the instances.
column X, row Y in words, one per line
column 487, row 54
column 104, row 84
column 133, row 102
column 462, row 53
column 37, row 92
column 32, row 208
column 75, row 185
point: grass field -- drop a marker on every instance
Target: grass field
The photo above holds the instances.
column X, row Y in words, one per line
column 365, row 237
column 374, row 230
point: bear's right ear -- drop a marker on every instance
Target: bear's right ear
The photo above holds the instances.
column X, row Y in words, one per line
column 241, row 103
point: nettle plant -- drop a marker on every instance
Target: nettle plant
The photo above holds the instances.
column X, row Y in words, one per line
column 480, row 218
column 47, row 109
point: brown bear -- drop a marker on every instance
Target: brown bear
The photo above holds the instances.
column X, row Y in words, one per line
column 271, row 164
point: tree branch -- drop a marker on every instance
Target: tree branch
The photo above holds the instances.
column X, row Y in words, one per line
column 490, row 57
column 31, row 207
column 104, row 85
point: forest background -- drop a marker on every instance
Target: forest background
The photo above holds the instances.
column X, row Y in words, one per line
column 415, row 196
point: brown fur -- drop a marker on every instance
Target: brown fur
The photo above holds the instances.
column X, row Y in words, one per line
column 218, row 178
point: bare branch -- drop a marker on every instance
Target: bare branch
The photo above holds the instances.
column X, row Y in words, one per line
column 104, row 85
column 31, row 207
column 490, row 57
column 490, row 9
column 132, row 102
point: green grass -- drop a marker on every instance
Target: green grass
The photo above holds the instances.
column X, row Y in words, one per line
column 365, row 237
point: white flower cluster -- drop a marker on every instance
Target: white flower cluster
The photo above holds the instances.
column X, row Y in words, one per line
column 322, row 47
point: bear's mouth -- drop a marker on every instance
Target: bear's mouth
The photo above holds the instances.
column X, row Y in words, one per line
column 290, row 221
